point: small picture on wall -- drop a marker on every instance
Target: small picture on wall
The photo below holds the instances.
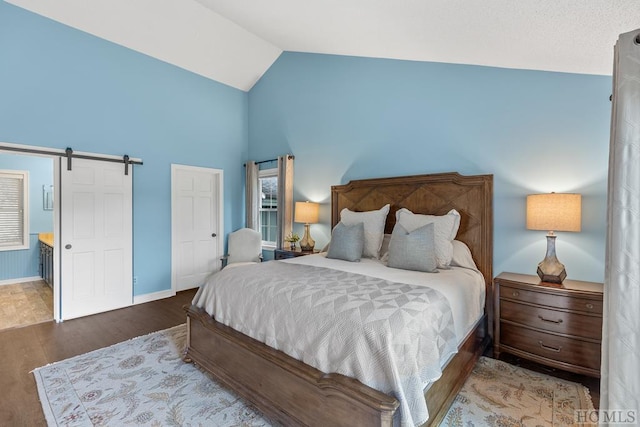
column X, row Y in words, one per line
column 47, row 197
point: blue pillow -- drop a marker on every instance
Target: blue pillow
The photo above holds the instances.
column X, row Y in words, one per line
column 413, row 251
column 347, row 242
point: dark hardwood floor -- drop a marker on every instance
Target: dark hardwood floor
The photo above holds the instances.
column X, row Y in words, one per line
column 27, row 348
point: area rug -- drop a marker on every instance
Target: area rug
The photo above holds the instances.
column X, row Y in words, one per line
column 144, row 381
column 500, row 394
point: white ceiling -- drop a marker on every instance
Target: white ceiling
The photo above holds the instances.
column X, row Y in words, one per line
column 235, row 42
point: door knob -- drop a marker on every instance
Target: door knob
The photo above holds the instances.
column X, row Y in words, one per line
column 67, row 246
column 214, row 235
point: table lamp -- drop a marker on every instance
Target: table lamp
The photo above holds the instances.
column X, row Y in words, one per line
column 553, row 212
column 307, row 212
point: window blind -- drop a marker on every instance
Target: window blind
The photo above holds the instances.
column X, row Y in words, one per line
column 12, row 210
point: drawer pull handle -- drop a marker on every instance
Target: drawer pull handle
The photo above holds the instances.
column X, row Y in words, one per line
column 549, row 320
column 546, row 347
column 515, row 293
column 590, row 306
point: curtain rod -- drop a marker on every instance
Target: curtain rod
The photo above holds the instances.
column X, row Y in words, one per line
column 289, row 156
column 266, row 161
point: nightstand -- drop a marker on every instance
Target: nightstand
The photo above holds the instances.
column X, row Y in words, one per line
column 286, row 253
column 558, row 325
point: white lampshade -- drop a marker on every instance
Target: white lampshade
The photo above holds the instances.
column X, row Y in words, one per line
column 554, row 212
column 307, row 212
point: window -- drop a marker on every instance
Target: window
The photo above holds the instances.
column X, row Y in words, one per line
column 269, row 200
column 268, row 182
column 14, row 210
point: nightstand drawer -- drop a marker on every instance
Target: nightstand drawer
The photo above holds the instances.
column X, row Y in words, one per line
column 550, row 300
column 560, row 349
column 561, row 322
column 286, row 254
column 283, row 255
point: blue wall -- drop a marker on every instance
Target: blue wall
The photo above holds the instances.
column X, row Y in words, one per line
column 349, row 118
column 25, row 263
column 60, row 87
column 342, row 117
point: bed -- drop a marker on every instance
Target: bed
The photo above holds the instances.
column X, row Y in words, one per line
column 294, row 393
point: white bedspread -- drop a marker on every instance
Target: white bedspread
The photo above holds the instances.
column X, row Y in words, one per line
column 464, row 288
column 385, row 328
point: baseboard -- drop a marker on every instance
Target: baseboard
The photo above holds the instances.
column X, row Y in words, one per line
column 20, row 280
column 140, row 299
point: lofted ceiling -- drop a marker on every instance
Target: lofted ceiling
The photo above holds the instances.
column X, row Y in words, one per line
column 235, row 42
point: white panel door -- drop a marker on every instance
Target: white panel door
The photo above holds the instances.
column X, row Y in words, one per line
column 196, row 223
column 95, row 238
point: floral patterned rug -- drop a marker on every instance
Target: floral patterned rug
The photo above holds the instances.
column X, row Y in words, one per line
column 144, row 381
column 500, row 394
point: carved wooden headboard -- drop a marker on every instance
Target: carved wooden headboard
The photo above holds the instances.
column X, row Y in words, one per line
column 437, row 194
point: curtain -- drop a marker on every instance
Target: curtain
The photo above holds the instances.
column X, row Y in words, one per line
column 620, row 370
column 252, row 196
column 285, row 197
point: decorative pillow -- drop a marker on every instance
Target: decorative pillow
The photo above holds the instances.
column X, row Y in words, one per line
column 445, row 230
column 373, row 228
column 462, row 256
column 347, row 242
column 413, row 250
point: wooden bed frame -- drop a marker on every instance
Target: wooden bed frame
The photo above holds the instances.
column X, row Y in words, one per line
column 293, row 393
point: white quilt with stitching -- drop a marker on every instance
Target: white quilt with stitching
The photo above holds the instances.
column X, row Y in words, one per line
column 390, row 336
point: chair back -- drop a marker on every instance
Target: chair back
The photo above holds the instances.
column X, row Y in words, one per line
column 245, row 245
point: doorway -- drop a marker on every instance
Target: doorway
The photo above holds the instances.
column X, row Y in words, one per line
column 197, row 230
column 99, row 168
column 26, row 285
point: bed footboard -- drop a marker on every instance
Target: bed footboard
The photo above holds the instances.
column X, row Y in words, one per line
column 443, row 392
column 284, row 389
column 293, row 393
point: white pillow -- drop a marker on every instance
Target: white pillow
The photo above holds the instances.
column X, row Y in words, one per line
column 373, row 228
column 462, row 256
column 445, row 230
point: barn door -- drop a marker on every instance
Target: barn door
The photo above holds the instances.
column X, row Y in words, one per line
column 95, row 237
